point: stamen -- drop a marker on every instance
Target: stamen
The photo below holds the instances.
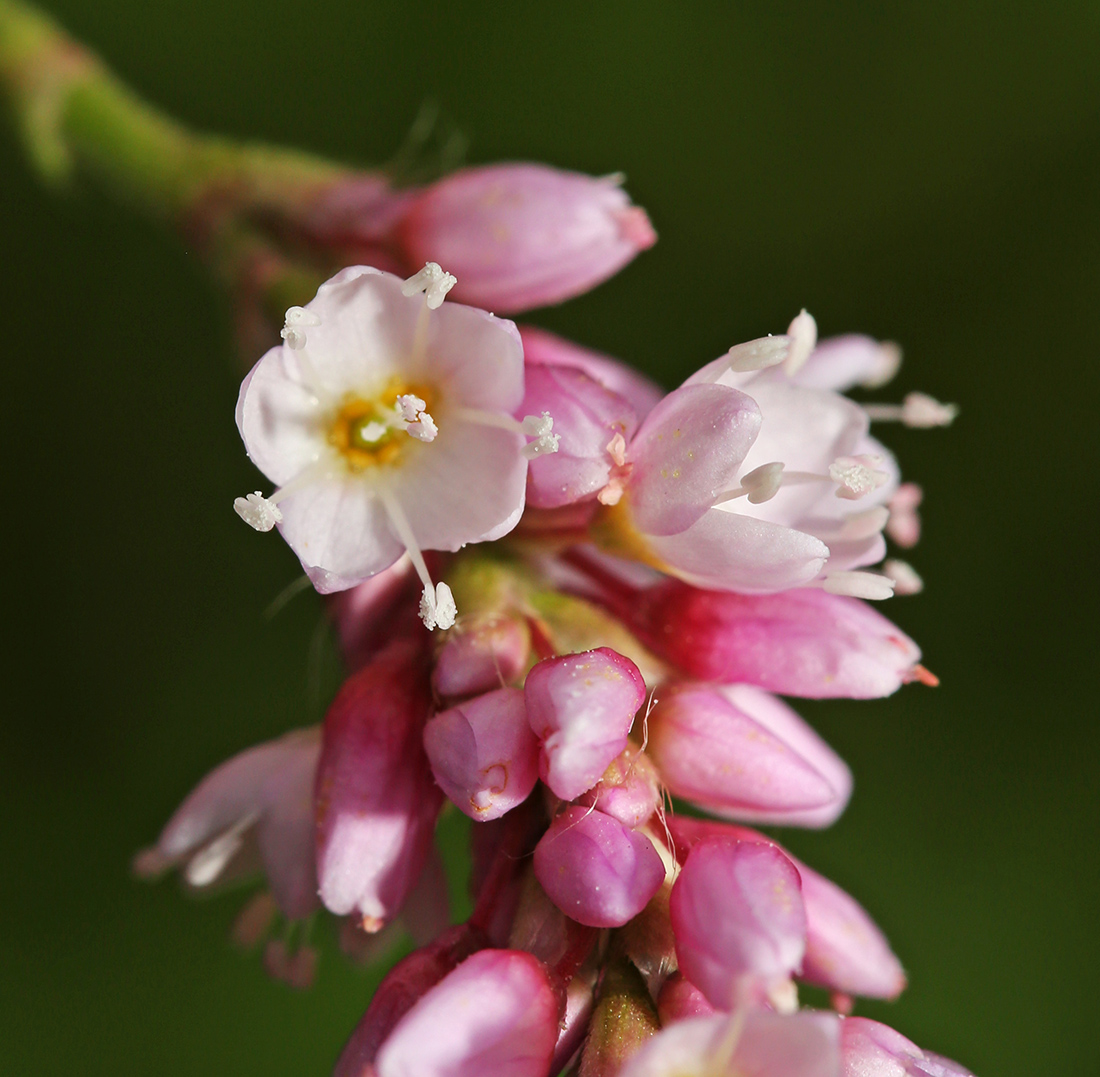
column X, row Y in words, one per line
column 918, row 410
column 536, row 426
column 612, row 493
column 210, row 861
column 759, row 354
column 803, row 335
column 424, row 429
column 437, row 604
column 922, row 676
column 904, row 524
column 759, row 485
column 857, row 476
column 410, row 406
column 257, row 511
column 906, row 580
column 869, row 585
column 433, row 281
column 616, row 449
column 293, row 332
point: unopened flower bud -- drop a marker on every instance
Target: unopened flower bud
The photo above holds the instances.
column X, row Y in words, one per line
column 478, row 657
column 630, row 789
column 519, row 236
column 680, row 999
column 596, row 870
column 581, row 707
column 624, row 1020
column 483, row 753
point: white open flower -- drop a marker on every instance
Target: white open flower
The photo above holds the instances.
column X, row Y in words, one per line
column 385, row 422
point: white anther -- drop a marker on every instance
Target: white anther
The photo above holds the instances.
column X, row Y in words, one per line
column 906, row 580
column 372, row 431
column 410, row 406
column 257, row 511
column 869, row 585
column 424, row 429
column 857, row 476
column 616, row 449
column 759, row 354
column 433, row 280
column 293, row 332
column 888, row 362
column 548, row 443
column 210, row 861
column 803, row 335
column 763, row 483
column 538, row 426
column 438, row 610
column 923, row 411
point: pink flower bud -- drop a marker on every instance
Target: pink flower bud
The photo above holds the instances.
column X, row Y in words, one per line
column 257, row 802
column 630, row 789
column 596, row 870
column 739, row 921
column 519, row 236
column 802, row 643
column 497, row 1013
column 402, row 987
column 587, row 417
column 581, row 706
column 756, row 1042
column 483, row 753
column 364, row 614
column 479, row 657
column 376, row 802
column 845, row 950
column 640, row 393
column 741, row 753
column 680, row 999
column 870, row 1049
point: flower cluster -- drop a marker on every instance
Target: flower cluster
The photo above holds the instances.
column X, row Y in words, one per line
column 565, row 597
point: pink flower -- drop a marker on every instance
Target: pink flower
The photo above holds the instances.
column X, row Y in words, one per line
column 255, row 806
column 386, row 425
column 376, row 802
column 871, row 1049
column 483, row 753
column 752, row 1043
column 845, row 950
column 595, row 869
column 803, row 642
column 497, row 1013
column 520, row 236
column 581, row 707
column 741, row 753
column 740, row 923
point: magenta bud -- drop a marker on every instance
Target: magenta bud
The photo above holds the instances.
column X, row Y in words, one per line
column 587, row 420
column 581, row 707
column 483, row 753
column 680, row 999
column 739, row 921
column 364, row 615
column 629, row 790
column 595, row 869
column 743, row 754
column 376, row 802
column 870, row 1049
column 480, row 657
column 762, row 1043
column 519, row 236
column 497, row 1013
column 804, row 642
column 845, row 950
column 545, row 348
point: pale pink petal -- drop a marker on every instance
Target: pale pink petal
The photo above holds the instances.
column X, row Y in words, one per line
column 495, row 1014
column 871, row 1049
column 596, row 870
column 726, row 551
column 687, row 452
column 581, row 707
column 483, row 753
column 739, row 921
column 841, row 363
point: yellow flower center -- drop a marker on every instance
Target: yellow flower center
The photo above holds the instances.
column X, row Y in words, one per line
column 368, row 432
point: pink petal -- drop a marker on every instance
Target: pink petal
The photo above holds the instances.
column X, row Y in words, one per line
column 739, row 921
column 630, row 789
column 841, row 363
column 596, row 870
column 376, row 801
column 497, row 1013
column 581, row 706
column 742, row 754
column 687, row 452
column 483, row 753
column 481, row 655
column 871, row 1049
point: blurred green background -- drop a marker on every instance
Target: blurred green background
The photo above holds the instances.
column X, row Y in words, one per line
column 924, row 172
